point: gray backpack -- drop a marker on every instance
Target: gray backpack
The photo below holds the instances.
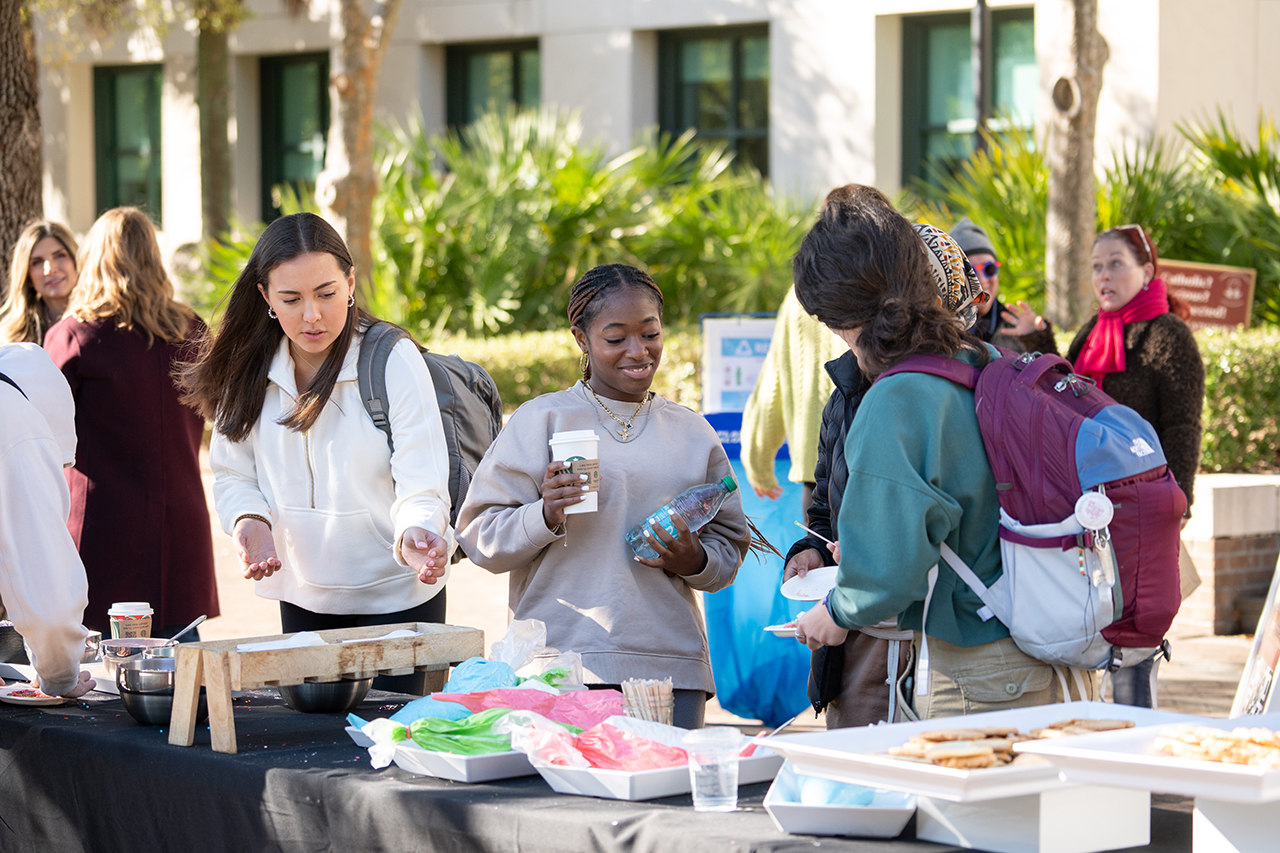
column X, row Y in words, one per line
column 470, row 408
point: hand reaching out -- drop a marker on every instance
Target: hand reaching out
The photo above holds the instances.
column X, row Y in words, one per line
column 772, row 494
column 426, row 553
column 1023, row 318
column 256, row 548
column 801, row 564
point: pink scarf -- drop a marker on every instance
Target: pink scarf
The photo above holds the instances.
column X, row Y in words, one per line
column 1103, row 352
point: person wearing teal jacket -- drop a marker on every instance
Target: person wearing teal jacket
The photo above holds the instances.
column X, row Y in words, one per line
column 918, row 472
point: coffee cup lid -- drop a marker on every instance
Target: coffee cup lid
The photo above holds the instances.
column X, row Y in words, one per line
column 130, row 608
column 574, row 435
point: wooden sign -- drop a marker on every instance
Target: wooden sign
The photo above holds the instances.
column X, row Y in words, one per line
column 1257, row 684
column 1220, row 297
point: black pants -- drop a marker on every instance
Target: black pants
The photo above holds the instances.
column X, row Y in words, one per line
column 294, row 618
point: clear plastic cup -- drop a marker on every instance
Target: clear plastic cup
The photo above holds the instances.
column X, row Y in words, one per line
column 713, row 767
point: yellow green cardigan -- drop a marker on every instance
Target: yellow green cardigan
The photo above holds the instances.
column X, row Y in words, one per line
column 787, row 402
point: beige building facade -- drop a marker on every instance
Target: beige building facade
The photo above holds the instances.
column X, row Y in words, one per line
column 815, row 93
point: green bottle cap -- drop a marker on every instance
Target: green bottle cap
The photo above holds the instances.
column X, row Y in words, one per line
column 729, row 484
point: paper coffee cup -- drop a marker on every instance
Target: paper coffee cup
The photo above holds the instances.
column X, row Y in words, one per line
column 578, row 449
column 130, row 619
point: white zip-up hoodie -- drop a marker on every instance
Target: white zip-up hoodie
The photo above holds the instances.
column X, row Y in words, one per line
column 338, row 499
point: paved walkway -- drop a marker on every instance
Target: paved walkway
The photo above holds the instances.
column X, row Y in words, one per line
column 1201, row 678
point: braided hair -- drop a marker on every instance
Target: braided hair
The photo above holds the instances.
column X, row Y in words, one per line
column 584, row 301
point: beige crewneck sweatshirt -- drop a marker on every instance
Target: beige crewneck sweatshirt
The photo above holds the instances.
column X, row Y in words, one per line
column 626, row 619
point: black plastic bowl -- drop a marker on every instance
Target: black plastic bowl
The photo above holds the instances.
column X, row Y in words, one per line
column 325, row 697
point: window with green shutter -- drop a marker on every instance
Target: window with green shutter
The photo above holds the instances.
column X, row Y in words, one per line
column 295, row 123
column 481, row 77
column 127, row 136
column 717, row 82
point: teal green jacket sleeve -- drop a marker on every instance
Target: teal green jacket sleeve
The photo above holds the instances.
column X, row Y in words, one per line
column 918, row 477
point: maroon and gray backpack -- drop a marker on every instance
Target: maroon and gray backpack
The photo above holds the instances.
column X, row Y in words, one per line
column 1090, row 516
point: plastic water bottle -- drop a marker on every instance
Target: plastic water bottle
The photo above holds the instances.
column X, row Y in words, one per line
column 696, row 506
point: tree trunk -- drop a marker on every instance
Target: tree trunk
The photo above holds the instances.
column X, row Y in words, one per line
column 21, row 155
column 346, row 187
column 213, row 93
column 1071, row 222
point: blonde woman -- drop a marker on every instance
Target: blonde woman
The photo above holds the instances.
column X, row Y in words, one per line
column 42, row 276
column 138, row 513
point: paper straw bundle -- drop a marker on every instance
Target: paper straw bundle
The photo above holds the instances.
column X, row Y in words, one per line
column 648, row 699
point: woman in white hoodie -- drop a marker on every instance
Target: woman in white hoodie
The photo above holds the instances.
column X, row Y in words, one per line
column 327, row 519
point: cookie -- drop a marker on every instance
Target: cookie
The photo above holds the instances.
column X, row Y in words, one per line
column 940, row 735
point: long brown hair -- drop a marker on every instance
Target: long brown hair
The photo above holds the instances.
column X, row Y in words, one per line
column 227, row 382
column 862, row 266
column 122, row 278
column 22, row 316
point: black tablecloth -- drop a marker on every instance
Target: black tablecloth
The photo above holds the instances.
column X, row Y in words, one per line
column 86, row 777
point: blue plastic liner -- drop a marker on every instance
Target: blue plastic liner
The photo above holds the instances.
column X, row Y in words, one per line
column 760, row 676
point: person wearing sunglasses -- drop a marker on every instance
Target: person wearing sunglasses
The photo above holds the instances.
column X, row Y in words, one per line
column 1140, row 351
column 1013, row 327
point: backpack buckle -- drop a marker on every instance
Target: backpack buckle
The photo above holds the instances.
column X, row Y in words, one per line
column 1023, row 360
column 1117, row 658
column 1079, row 385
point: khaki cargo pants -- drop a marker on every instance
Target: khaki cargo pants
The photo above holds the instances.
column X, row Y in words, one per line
column 992, row 677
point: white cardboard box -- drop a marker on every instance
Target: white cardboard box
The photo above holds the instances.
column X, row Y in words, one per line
column 649, row 784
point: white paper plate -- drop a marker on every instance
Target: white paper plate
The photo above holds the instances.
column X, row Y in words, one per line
column 13, row 695
column 782, row 630
column 858, row 755
column 885, row 817
column 649, row 784
column 813, row 586
column 1129, row 759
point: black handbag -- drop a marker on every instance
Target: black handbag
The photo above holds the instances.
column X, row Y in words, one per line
column 826, row 676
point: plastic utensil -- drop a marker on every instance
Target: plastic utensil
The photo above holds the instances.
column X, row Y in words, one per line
column 194, row 624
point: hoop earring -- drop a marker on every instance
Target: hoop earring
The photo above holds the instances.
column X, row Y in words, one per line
column 271, row 312
column 584, row 364
column 351, row 301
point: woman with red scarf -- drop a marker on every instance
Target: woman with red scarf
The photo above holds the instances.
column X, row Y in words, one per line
column 1139, row 350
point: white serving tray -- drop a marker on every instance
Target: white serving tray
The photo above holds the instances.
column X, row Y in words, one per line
column 649, row 784
column 858, row 755
column 458, row 768
column 1129, row 759
column 462, row 768
column 884, row 817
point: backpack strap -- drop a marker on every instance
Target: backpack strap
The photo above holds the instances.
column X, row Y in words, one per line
column 8, row 381
column 959, row 372
column 379, row 340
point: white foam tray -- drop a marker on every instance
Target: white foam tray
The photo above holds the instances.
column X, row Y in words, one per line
column 884, row 817
column 462, row 768
column 649, row 784
column 859, row 755
column 1129, row 759
column 458, row 768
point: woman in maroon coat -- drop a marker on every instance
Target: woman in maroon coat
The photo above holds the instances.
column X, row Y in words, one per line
column 138, row 512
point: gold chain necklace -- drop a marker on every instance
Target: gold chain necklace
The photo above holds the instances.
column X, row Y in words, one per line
column 625, row 434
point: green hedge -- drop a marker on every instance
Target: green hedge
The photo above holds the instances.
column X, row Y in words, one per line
column 1241, row 407
column 1242, row 401
column 527, row 364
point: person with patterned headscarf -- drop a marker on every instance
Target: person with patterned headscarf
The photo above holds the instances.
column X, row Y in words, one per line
column 848, row 681
column 918, row 475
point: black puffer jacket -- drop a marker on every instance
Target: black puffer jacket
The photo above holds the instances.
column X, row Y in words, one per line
column 831, row 473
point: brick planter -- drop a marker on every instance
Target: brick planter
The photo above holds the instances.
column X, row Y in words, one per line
column 1234, row 540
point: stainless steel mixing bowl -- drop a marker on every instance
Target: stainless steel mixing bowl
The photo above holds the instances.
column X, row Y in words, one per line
column 146, row 689
column 325, row 697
